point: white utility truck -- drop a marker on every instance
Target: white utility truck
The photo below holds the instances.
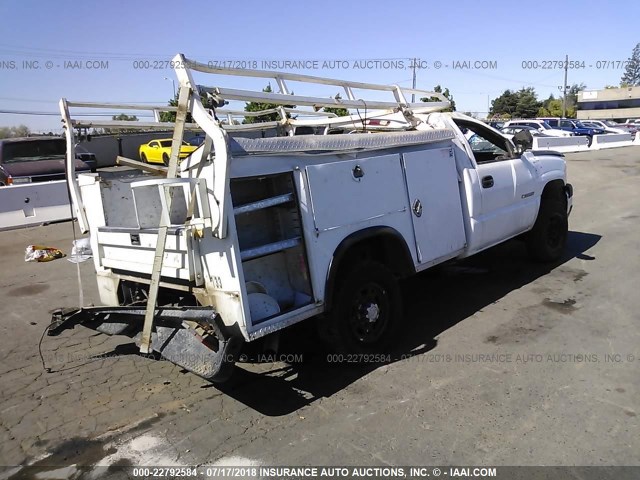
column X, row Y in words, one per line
column 248, row 236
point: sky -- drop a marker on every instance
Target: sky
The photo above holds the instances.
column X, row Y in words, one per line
column 475, row 49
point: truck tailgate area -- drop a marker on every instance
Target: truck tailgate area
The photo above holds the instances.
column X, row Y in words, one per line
column 126, row 227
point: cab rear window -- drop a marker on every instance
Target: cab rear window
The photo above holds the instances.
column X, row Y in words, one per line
column 32, row 150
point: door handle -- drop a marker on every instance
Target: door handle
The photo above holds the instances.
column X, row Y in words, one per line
column 487, row 182
column 417, row 207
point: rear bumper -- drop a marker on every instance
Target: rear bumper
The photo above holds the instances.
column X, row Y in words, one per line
column 194, row 338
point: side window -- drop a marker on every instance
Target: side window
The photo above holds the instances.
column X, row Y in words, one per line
column 486, row 145
column 565, row 123
column 153, row 144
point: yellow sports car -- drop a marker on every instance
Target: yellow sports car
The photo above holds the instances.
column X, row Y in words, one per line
column 159, row 151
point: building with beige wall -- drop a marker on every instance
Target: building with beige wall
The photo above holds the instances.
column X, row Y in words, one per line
column 609, row 103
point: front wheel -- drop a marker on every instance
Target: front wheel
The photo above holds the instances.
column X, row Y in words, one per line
column 548, row 237
column 143, row 158
column 165, row 159
column 367, row 308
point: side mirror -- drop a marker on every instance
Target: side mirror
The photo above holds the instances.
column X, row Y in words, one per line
column 523, row 140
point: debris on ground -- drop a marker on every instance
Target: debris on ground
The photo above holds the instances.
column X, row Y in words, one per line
column 40, row 253
column 81, row 250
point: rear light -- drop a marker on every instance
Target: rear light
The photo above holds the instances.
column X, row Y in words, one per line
column 17, row 181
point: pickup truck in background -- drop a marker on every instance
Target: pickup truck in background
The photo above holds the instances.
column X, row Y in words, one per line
column 38, row 159
column 248, row 236
column 543, row 127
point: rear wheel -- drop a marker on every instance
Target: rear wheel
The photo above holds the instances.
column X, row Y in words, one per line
column 165, row 159
column 548, row 237
column 367, row 308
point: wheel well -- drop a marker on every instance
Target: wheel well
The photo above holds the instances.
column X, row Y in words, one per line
column 380, row 244
column 554, row 190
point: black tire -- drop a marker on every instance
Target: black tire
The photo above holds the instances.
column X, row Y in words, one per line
column 548, row 237
column 165, row 159
column 367, row 307
column 143, row 158
column 589, row 140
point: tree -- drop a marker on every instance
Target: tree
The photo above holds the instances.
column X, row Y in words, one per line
column 572, row 99
column 123, row 117
column 521, row 104
column 552, row 107
column 446, row 94
column 339, row 111
column 528, row 104
column 504, row 105
column 259, row 106
column 631, row 77
column 11, row 132
column 171, row 116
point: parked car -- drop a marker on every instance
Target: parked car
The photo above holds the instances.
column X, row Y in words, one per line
column 158, row 151
column 631, row 128
column 540, row 125
column 513, row 129
column 87, row 157
column 615, row 127
column 37, row 159
column 574, row 126
column 611, row 127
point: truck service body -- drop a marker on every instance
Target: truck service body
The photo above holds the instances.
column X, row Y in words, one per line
column 247, row 236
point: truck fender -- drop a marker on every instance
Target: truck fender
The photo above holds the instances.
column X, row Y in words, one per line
column 382, row 243
column 554, row 189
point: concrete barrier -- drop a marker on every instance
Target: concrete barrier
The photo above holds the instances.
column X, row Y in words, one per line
column 561, row 144
column 33, row 204
column 611, row 140
column 636, row 141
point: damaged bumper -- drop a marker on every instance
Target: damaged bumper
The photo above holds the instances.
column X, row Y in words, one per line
column 194, row 338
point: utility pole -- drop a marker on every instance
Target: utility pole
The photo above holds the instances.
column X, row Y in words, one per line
column 173, row 82
column 413, row 95
column 564, row 90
